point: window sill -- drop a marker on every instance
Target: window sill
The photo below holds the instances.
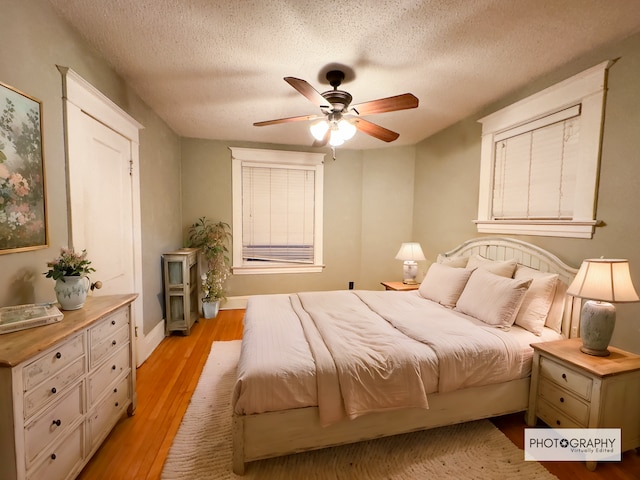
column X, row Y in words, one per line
column 277, row 269
column 544, row 228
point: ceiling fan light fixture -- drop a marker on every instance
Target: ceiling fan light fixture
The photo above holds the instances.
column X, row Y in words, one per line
column 319, row 129
column 347, row 129
column 335, row 140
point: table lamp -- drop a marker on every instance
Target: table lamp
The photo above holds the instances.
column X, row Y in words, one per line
column 411, row 253
column 603, row 282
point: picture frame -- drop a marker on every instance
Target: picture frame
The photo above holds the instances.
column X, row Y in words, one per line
column 23, row 215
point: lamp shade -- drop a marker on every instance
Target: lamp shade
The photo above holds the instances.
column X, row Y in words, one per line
column 604, row 280
column 410, row 251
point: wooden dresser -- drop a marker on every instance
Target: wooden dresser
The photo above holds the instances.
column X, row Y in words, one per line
column 63, row 387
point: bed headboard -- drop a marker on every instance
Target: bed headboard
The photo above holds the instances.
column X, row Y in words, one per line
column 502, row 248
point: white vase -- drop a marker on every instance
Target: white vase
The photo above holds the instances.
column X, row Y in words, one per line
column 210, row 309
column 71, row 292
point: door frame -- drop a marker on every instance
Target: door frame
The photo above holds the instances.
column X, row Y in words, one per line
column 81, row 98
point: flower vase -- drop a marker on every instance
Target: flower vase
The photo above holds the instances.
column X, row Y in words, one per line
column 71, row 292
column 210, row 309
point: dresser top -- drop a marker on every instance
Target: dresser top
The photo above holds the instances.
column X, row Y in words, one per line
column 16, row 347
column 616, row 363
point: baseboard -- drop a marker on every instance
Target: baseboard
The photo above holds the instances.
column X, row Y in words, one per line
column 234, row 303
column 149, row 342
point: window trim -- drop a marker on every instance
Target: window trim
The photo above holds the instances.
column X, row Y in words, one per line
column 284, row 158
column 587, row 89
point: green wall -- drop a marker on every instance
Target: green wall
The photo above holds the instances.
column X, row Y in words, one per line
column 34, row 41
column 448, row 166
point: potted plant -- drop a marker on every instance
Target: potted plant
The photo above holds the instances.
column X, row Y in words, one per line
column 212, row 238
column 71, row 272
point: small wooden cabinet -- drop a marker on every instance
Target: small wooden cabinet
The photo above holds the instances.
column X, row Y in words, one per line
column 570, row 389
column 63, row 387
column 181, row 287
column 399, row 286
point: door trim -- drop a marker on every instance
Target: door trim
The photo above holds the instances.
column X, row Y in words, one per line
column 79, row 97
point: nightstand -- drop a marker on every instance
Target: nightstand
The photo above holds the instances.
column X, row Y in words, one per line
column 570, row 389
column 399, row 286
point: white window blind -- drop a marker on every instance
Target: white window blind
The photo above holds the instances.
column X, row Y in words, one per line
column 278, row 214
column 277, row 211
column 535, row 169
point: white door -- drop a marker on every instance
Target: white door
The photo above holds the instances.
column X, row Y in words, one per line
column 104, row 191
column 100, row 198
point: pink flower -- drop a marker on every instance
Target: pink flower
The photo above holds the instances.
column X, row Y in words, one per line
column 4, row 171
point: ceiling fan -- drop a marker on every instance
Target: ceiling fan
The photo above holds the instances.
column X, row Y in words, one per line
column 340, row 120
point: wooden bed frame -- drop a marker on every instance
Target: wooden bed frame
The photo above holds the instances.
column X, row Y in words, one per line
column 298, row 430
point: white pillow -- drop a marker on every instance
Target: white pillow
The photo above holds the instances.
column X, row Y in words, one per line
column 458, row 261
column 554, row 317
column 537, row 301
column 492, row 298
column 444, row 284
column 504, row 268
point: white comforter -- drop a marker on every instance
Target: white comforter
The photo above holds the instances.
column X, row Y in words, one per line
column 354, row 352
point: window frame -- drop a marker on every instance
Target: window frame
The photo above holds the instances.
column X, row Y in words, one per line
column 277, row 159
column 586, row 89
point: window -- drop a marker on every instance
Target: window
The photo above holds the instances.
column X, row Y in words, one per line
column 277, row 211
column 540, row 160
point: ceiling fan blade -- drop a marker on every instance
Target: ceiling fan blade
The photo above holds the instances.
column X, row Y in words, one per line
column 389, row 104
column 301, row 118
column 308, row 91
column 374, row 130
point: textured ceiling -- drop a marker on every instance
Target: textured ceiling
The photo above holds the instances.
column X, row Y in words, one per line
column 211, row 68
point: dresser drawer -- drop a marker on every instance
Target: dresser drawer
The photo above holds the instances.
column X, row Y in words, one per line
column 108, row 325
column 108, row 411
column 104, row 376
column 53, row 387
column 66, row 455
column 104, row 348
column 52, row 362
column 564, row 401
column 53, row 422
column 555, row 418
column 566, row 378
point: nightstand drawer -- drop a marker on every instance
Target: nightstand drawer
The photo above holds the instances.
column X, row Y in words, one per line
column 564, row 401
column 555, row 418
column 566, row 378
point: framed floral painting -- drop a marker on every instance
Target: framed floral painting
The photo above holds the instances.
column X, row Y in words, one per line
column 23, row 218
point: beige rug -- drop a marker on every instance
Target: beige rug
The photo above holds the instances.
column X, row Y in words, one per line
column 202, row 447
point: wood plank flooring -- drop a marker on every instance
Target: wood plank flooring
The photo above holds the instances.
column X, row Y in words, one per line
column 137, row 447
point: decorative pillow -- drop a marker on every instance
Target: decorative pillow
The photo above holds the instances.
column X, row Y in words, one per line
column 554, row 317
column 444, row 284
column 504, row 268
column 492, row 298
column 458, row 261
column 537, row 301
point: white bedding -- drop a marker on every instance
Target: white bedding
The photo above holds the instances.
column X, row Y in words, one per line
column 397, row 345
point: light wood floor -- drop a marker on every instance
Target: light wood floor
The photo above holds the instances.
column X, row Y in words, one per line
column 138, row 446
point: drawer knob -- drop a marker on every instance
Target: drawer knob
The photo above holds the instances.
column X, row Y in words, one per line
column 557, row 422
column 564, row 376
column 113, row 343
column 561, row 399
column 117, row 404
column 54, row 390
column 115, row 390
column 113, row 367
column 57, row 423
column 53, row 456
column 113, row 322
column 58, row 355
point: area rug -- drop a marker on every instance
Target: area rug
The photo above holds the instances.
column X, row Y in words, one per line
column 202, row 447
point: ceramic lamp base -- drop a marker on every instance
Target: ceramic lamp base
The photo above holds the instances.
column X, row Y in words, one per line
column 596, row 327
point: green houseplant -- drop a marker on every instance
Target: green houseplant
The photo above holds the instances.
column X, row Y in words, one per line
column 71, row 272
column 212, row 238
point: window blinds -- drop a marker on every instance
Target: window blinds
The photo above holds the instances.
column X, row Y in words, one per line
column 535, row 168
column 278, row 214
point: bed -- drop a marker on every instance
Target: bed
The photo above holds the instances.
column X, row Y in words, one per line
column 320, row 369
